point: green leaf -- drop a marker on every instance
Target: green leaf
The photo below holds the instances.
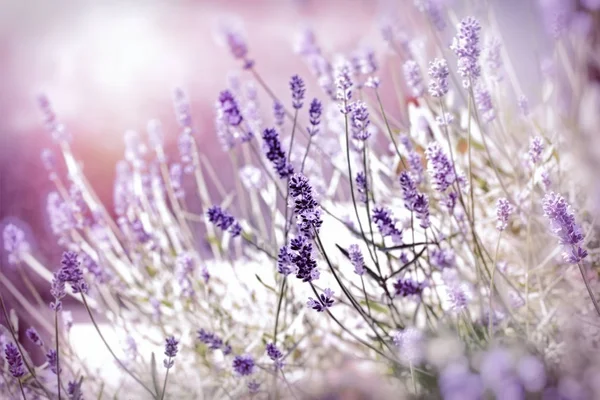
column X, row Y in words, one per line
column 272, row 289
column 154, row 373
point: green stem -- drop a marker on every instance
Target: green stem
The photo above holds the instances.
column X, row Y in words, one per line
column 164, row 389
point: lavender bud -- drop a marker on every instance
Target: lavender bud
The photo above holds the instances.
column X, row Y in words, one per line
column 298, row 90
column 503, row 210
column 14, row 360
column 466, row 47
column 34, row 337
column 356, row 258
column 438, row 73
column 243, row 365
column 323, row 302
column 412, row 74
column 15, row 243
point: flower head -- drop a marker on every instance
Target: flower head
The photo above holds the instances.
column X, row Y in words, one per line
column 34, row 337
column 170, row 351
column 386, row 224
column 14, row 360
column 314, row 114
column 323, row 302
column 222, row 219
column 243, row 365
column 563, row 226
column 52, row 359
column 298, row 90
column 229, row 108
column 438, row 73
column 467, row 48
column 503, row 210
column 408, row 287
column 536, row 147
column 356, row 258
column 274, row 153
column 414, row 80
column 15, row 243
column 360, row 121
column 361, row 186
column 440, row 168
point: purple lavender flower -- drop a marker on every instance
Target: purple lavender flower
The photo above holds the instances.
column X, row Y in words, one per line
column 274, row 153
column 458, row 296
column 443, row 258
column 503, row 210
column 356, row 258
column 323, row 302
column 563, row 226
column 182, row 109
column 229, row 108
column 408, row 287
column 170, row 351
column 14, row 360
column 222, row 219
column 466, row 47
column 438, row 73
column 314, row 114
column 421, row 208
column 305, row 206
column 74, row 390
column 212, row 340
column 285, row 263
column 432, row 8
column 15, row 243
column 344, row 85
column 439, row 167
column 483, row 99
column 413, row 77
column 52, row 359
column 49, row 161
column 253, row 387
column 303, row 260
column 298, row 90
column 410, row 345
column 386, row 224
column 546, row 181
column 53, row 125
column 275, row 354
column 536, row 148
column 34, row 337
column 176, row 175
column 360, row 121
column 361, row 186
column 57, row 290
column 409, row 190
column 278, row 113
column 243, row 365
column 70, row 272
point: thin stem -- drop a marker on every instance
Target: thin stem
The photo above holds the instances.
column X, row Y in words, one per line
column 22, row 390
column 89, row 311
column 490, row 331
column 387, row 125
column 281, row 293
column 589, row 288
column 57, row 352
column 164, row 389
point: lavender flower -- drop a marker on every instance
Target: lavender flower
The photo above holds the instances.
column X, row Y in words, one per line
column 563, row 226
column 546, row 181
column 52, row 359
column 438, row 73
column 53, row 125
column 34, row 337
column 314, row 114
column 253, row 387
column 382, row 217
column 298, row 90
column 278, row 113
column 275, row 354
column 170, row 351
column 443, row 258
column 410, row 343
column 483, row 99
column 536, row 147
column 49, row 161
column 57, row 291
column 243, row 365
column 303, row 260
column 15, row 243
column 439, row 167
column 285, row 263
column 344, row 85
column 229, row 108
column 466, row 47
column 408, row 288
column 71, row 272
column 413, row 77
column 503, row 210
column 458, row 296
column 305, row 206
column 356, row 258
column 421, row 208
column 182, row 109
column 74, row 390
column 176, row 175
column 432, row 8
column 211, row 339
column 409, row 190
column 361, row 187
column 14, row 360
column 274, row 153
column 237, row 45
column 360, row 121
column 222, row 219
column 323, row 302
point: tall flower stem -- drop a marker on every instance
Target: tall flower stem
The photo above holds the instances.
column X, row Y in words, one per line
column 22, row 390
column 57, row 352
column 164, row 388
column 589, row 288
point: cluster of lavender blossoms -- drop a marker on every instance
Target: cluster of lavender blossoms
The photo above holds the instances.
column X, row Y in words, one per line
column 415, row 238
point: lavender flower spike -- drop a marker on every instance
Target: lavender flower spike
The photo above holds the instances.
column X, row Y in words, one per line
column 170, row 351
column 356, row 258
column 275, row 153
column 440, row 168
column 563, row 226
column 361, row 187
column 275, row 354
column 413, row 77
column 360, row 121
column 323, row 302
column 34, row 337
column 222, row 219
column 438, row 73
column 14, row 243
column 386, row 224
column 243, row 365
column 467, row 48
column 314, row 113
column 72, row 273
column 536, row 148
column 298, row 90
column 14, row 360
column 52, row 359
column 229, row 108
column 503, row 211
